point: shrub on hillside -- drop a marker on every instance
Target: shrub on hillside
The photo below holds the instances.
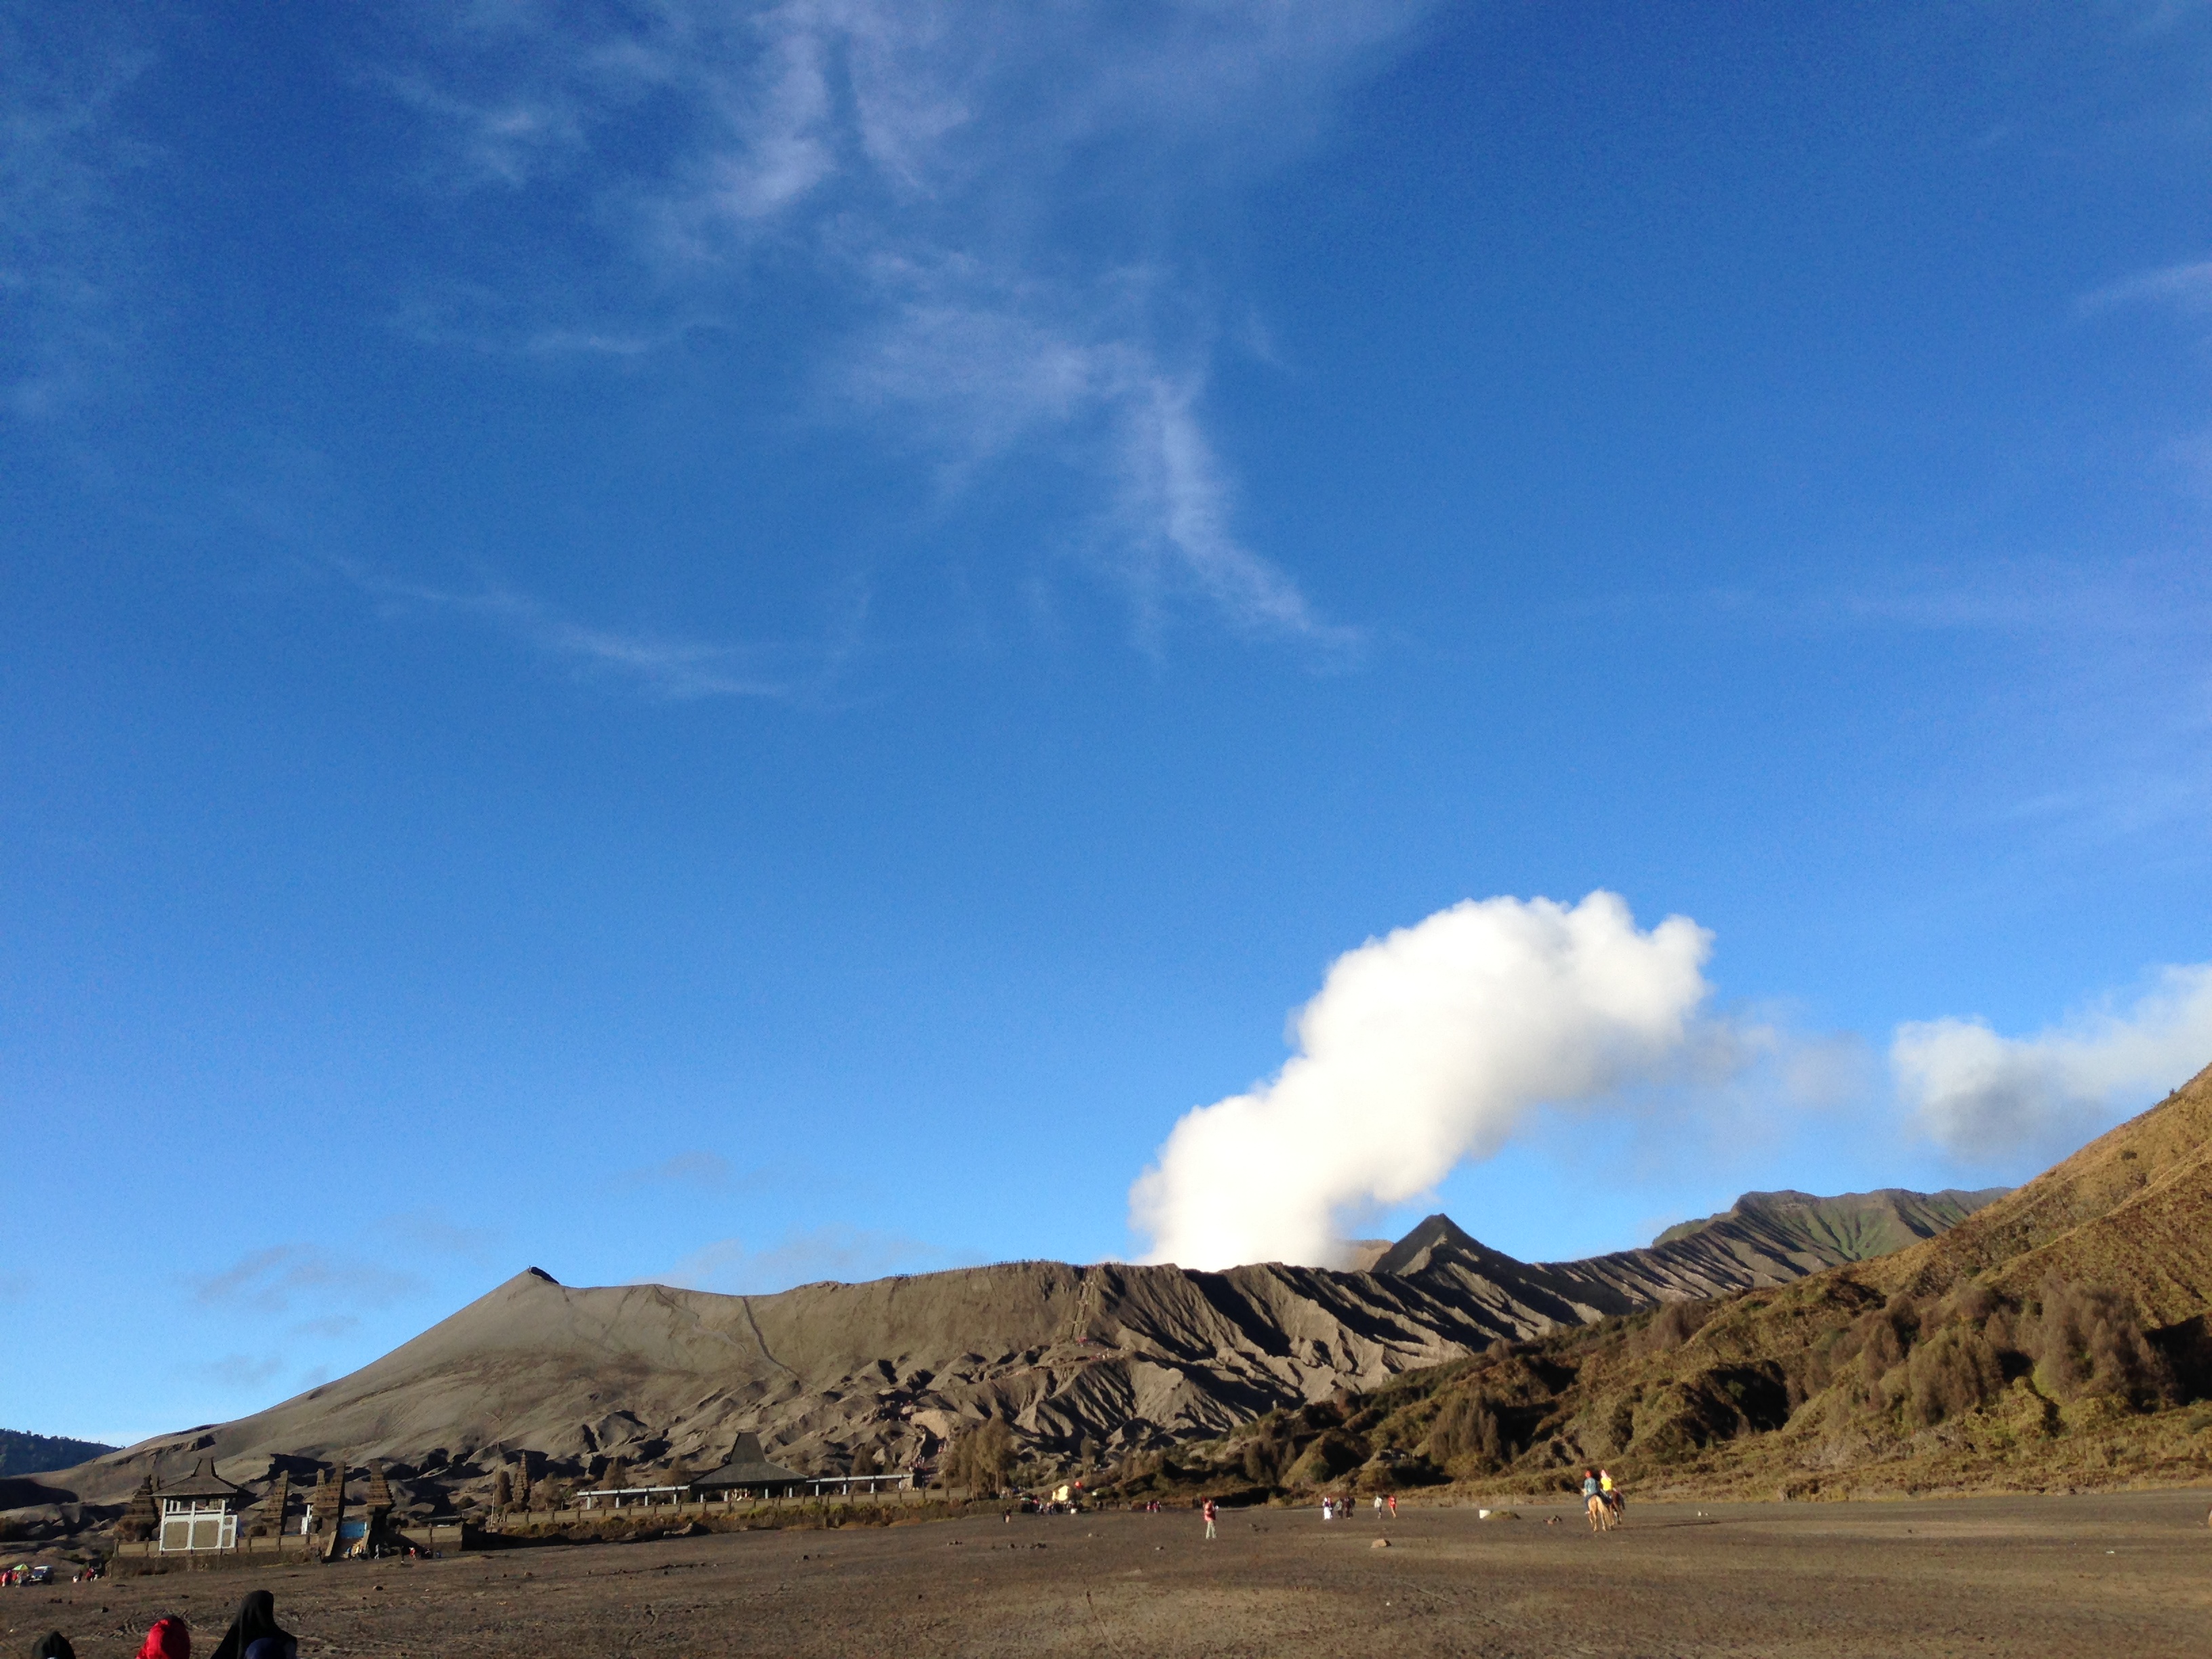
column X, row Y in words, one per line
column 1467, row 1435
column 2089, row 1341
column 2187, row 1348
column 1884, row 1337
column 1330, row 1455
column 1670, row 1327
column 1951, row 1375
column 980, row 1460
column 1267, row 1455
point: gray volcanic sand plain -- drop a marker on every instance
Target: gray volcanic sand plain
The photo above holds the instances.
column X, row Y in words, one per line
column 2105, row 1576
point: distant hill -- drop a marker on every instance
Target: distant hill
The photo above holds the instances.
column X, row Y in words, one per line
column 1856, row 1227
column 38, row 1454
column 1107, row 1361
column 2058, row 1337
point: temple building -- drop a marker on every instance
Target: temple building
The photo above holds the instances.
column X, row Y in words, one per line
column 200, row 1511
column 749, row 1473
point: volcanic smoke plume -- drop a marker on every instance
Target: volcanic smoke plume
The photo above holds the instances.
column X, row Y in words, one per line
column 1423, row 1048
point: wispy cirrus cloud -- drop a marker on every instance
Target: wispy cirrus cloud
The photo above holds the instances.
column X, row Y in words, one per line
column 2102, row 599
column 242, row 1372
column 732, row 1265
column 279, row 1277
column 2186, row 287
column 65, row 250
column 676, row 669
column 329, row 1326
column 983, row 189
column 430, row 1231
column 698, row 1170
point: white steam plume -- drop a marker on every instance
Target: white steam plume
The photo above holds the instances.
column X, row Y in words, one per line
column 1987, row 1098
column 1423, row 1048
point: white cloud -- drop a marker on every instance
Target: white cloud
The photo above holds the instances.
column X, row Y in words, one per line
column 1988, row 1099
column 980, row 177
column 1425, row 1048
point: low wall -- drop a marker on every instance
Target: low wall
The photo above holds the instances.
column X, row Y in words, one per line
column 702, row 1508
column 264, row 1551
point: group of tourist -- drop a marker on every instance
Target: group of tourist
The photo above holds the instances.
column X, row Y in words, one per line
column 24, row 1573
column 254, row 1633
column 1338, row 1509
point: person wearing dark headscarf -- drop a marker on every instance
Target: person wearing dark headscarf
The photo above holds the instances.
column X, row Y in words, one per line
column 52, row 1645
column 169, row 1638
column 254, row 1633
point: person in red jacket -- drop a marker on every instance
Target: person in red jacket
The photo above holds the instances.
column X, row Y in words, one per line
column 169, row 1638
column 1211, row 1513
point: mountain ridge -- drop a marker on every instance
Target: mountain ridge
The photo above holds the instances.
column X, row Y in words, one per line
column 2057, row 1339
column 1109, row 1358
column 22, row 1454
column 1856, row 1226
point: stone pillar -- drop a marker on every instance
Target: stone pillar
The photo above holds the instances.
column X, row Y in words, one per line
column 326, row 1508
column 274, row 1502
column 378, row 1504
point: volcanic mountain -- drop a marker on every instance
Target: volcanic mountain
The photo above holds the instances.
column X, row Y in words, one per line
column 1111, row 1357
column 2060, row 1337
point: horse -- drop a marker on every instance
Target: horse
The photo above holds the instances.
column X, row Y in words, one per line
column 1601, row 1513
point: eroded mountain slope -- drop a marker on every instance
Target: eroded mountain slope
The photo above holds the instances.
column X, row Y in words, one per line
column 1110, row 1358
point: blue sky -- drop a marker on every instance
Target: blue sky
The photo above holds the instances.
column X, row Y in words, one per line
column 739, row 644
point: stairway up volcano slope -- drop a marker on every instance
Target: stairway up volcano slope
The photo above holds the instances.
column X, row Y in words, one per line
column 1117, row 1355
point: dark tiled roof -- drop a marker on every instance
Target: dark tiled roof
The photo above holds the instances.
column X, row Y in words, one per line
column 748, row 1467
column 202, row 1482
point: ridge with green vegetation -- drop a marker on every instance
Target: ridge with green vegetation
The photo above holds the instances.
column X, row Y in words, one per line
column 1854, row 1227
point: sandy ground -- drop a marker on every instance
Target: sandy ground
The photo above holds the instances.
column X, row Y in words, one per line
column 2117, row 1577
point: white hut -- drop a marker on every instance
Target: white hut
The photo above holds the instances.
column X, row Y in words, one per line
column 200, row 1512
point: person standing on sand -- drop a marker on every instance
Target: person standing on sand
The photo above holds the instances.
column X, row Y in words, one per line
column 1378, row 1506
column 254, row 1632
column 1210, row 1512
column 1393, row 1506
